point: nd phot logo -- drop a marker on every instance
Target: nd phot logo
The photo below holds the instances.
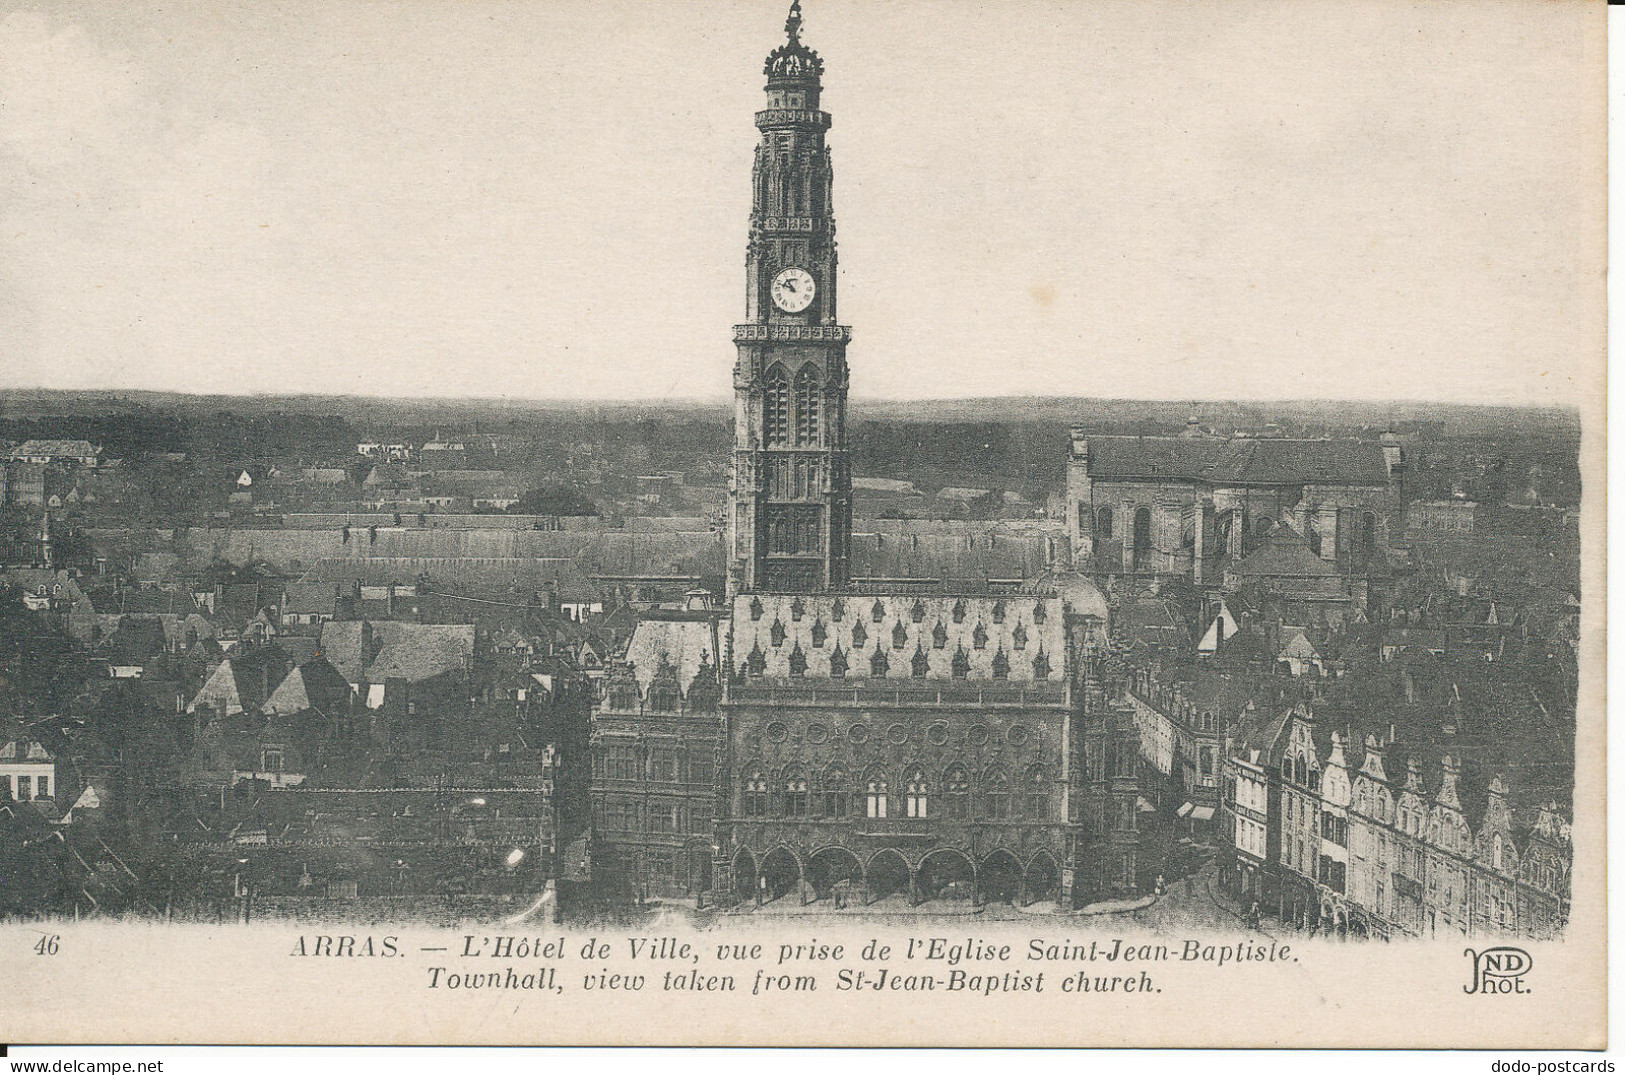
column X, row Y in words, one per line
column 1498, row 970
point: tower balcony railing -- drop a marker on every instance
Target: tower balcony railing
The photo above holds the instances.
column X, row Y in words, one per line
column 878, row 696
column 794, row 333
column 792, row 117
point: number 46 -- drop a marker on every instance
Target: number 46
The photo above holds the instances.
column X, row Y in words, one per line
column 47, row 944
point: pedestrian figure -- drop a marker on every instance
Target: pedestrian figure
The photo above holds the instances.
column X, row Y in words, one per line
column 1160, row 886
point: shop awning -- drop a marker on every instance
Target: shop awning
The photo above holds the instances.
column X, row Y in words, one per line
column 1183, row 810
column 1202, row 813
column 1146, row 806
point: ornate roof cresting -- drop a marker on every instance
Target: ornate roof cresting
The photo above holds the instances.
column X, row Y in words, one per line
column 793, row 59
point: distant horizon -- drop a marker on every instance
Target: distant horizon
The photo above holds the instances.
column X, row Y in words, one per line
column 725, row 400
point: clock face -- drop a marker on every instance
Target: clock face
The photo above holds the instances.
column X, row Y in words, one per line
column 792, row 290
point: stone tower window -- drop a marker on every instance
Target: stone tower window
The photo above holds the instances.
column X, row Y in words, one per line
column 776, row 418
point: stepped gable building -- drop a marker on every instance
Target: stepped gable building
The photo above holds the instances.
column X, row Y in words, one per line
column 887, row 736
column 654, row 740
column 1194, row 505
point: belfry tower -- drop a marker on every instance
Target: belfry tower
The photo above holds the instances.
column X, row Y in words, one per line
column 791, row 486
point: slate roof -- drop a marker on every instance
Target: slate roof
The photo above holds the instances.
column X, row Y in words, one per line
column 424, row 649
column 313, row 685
column 934, row 553
column 753, row 633
column 1238, row 460
column 685, row 645
column 310, row 599
column 1284, row 555
column 137, row 639
column 493, row 579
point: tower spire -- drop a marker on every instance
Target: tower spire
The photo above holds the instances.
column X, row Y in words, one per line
column 792, row 25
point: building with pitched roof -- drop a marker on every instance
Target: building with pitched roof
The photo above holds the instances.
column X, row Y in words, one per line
column 656, row 734
column 1191, row 505
column 74, row 452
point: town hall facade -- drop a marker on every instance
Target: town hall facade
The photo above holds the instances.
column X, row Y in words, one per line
column 923, row 739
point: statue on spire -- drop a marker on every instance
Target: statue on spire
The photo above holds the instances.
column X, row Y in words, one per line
column 792, row 25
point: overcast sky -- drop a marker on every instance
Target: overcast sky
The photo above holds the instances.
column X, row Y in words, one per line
column 549, row 199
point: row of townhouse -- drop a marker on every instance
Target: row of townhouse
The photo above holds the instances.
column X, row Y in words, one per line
column 1377, row 836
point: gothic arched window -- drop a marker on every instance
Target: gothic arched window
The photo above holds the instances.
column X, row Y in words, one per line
column 875, row 800
column 919, row 794
column 996, row 797
column 1103, row 524
column 832, row 793
column 1037, row 794
column 776, row 413
column 795, row 794
column 755, row 797
column 809, row 398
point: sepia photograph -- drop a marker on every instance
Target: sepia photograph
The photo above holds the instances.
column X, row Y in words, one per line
column 482, row 563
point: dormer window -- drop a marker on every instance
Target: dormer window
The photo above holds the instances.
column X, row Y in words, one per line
column 939, row 636
column 878, row 611
column 756, row 609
